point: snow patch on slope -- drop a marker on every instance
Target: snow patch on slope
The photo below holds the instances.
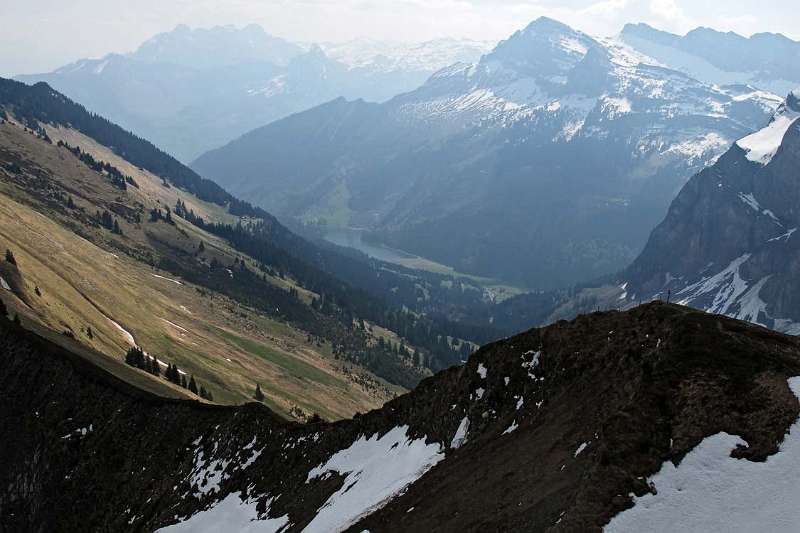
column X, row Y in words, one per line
column 762, row 145
column 232, row 515
column 727, row 285
column 712, row 492
column 376, row 470
column 698, row 148
column 460, row 438
column 513, row 427
column 125, row 333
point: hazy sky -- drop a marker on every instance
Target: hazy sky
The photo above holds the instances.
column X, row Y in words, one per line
column 40, row 35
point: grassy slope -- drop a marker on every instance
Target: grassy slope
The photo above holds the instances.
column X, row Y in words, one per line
column 86, row 285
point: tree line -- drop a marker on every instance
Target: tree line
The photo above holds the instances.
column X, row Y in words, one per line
column 114, row 175
column 136, row 358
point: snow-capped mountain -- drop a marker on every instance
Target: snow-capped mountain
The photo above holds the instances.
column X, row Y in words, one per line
column 388, row 56
column 217, row 46
column 766, row 60
column 190, row 90
column 546, row 162
column 729, row 242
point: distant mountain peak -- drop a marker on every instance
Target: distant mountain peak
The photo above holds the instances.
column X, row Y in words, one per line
column 547, row 24
column 793, row 100
column 766, row 60
column 216, row 46
column 545, row 47
column 645, row 31
column 388, row 56
column 316, row 50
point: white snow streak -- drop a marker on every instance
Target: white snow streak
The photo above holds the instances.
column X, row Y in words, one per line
column 580, row 449
column 460, row 438
column 125, row 333
column 175, row 281
column 785, row 236
column 727, row 284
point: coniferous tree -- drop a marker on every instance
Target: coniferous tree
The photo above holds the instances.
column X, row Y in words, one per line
column 89, row 332
column 201, row 248
column 10, row 257
column 70, row 203
column 156, row 367
column 203, row 393
column 135, row 357
column 259, row 396
column 3, row 310
column 183, row 381
column 192, row 385
column 17, row 320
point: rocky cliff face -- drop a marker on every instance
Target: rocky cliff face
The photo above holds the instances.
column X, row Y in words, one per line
column 551, row 430
column 729, row 242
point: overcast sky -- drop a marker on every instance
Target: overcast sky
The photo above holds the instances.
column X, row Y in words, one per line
column 41, row 35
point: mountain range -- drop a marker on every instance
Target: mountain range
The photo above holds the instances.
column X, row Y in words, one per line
column 190, row 90
column 764, row 60
column 545, row 163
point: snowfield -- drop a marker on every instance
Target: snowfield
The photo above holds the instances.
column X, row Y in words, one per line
column 762, row 145
column 377, row 470
column 711, row 492
column 232, row 514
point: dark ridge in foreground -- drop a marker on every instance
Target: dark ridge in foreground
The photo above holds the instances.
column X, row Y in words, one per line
column 597, row 405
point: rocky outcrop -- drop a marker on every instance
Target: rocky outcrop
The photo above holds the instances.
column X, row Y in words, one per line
column 548, row 431
column 729, row 242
